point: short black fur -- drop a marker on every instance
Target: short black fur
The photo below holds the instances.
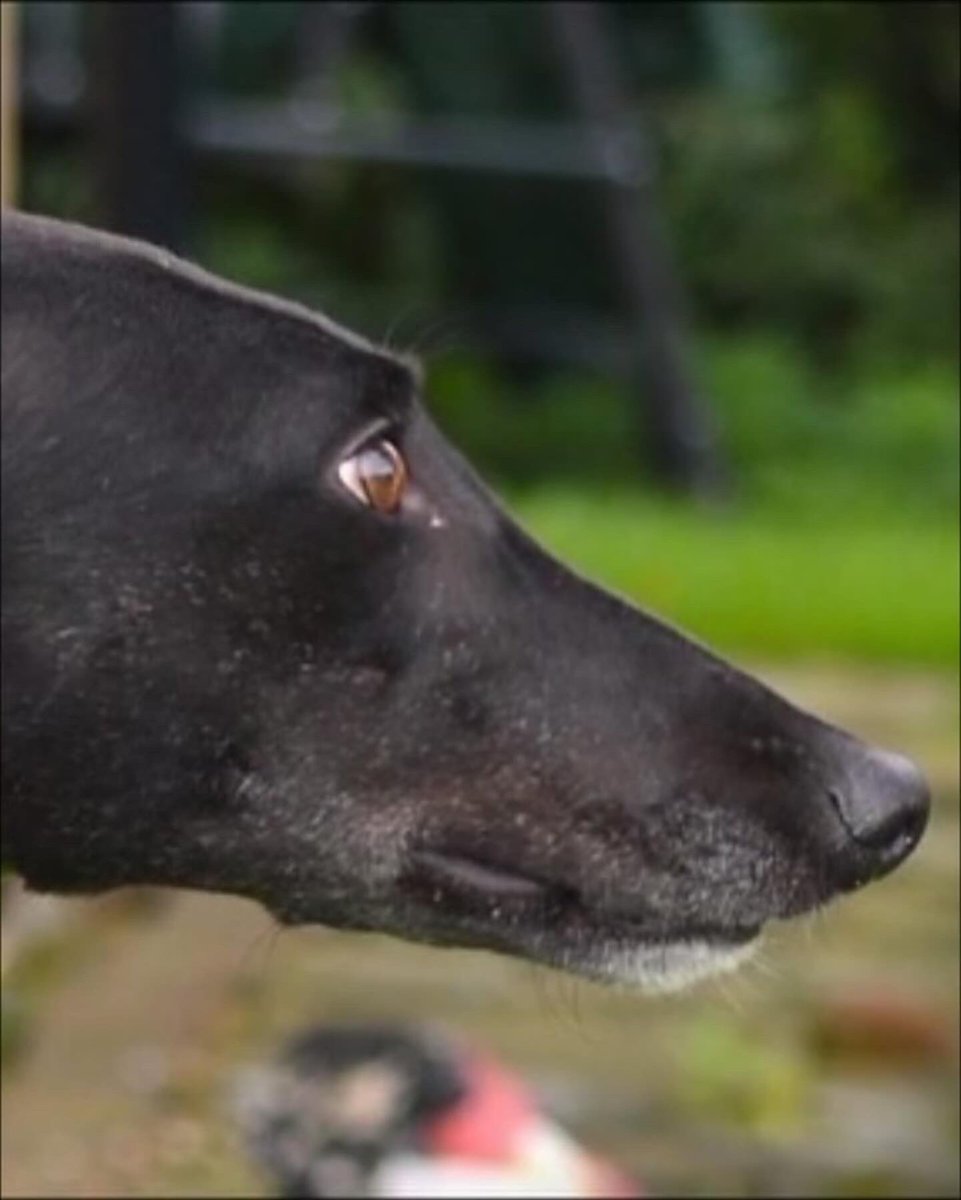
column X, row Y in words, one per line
column 222, row 671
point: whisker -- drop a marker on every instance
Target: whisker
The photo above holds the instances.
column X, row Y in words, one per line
column 392, row 328
column 726, row 988
column 264, row 939
column 539, row 977
column 436, row 336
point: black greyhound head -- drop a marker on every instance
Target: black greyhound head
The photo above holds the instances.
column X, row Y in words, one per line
column 265, row 632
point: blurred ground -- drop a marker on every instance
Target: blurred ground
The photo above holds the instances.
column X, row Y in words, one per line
column 830, row 1068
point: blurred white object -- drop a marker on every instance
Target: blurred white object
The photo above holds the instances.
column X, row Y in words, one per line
column 410, row 1176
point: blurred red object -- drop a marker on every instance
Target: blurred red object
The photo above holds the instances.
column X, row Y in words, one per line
column 883, row 1025
column 497, row 1121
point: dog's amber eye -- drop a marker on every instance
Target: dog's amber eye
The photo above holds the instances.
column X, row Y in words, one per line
column 376, row 475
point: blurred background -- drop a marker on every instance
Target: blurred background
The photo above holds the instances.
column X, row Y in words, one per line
column 685, row 281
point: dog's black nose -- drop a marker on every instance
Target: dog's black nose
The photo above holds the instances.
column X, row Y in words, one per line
column 884, row 806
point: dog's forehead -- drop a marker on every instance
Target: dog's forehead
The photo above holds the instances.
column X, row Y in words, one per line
column 44, row 238
column 126, row 277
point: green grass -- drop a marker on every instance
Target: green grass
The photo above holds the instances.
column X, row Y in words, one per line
column 768, row 583
column 839, row 536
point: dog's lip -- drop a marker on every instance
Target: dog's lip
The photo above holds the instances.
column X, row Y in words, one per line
column 535, row 897
column 497, row 881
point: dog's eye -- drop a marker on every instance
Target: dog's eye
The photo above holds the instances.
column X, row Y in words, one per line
column 376, row 475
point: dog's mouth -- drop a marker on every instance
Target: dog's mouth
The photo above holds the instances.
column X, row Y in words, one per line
column 473, row 876
column 509, row 909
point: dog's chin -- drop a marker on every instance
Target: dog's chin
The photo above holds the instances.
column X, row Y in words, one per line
column 610, row 954
column 659, row 968
column 474, row 905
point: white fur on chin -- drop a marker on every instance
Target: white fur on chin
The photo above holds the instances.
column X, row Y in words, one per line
column 658, row 970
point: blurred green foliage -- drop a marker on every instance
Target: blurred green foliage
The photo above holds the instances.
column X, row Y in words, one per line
column 831, row 211
column 793, row 219
column 820, row 207
column 883, row 442
column 814, row 219
column 727, row 1074
column 840, row 534
column 827, row 583
column 823, row 209
column 12, row 1029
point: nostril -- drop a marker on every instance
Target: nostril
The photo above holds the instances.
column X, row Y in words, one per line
column 914, row 826
column 884, row 806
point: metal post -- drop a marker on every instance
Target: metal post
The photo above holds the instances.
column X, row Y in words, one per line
column 678, row 433
column 9, row 116
column 136, row 119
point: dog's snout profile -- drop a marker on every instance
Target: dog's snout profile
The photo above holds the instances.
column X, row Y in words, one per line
column 265, row 632
column 883, row 804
